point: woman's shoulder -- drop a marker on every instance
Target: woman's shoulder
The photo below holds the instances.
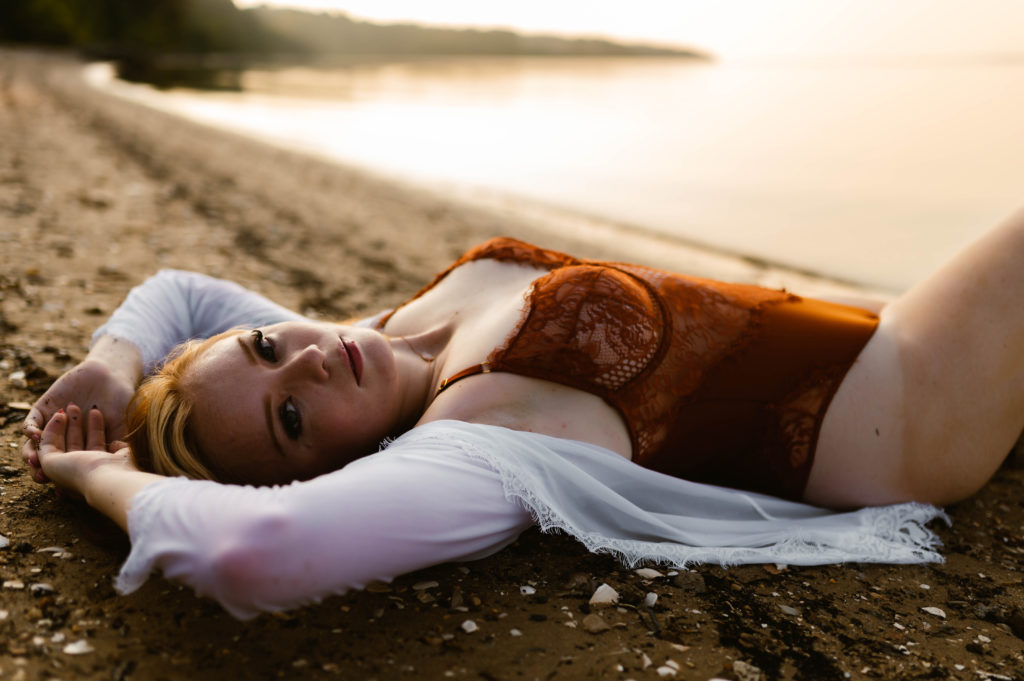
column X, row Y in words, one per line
column 509, row 249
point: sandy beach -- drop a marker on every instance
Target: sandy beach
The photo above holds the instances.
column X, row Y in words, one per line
column 97, row 193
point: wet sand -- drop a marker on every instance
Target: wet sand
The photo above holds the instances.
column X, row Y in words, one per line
column 98, row 193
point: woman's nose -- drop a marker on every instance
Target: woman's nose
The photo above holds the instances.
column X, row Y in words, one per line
column 311, row 361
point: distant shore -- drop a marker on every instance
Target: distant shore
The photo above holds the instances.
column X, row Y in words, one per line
column 552, row 226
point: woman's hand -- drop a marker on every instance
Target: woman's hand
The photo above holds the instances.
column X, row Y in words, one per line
column 106, row 380
column 74, row 454
column 73, row 447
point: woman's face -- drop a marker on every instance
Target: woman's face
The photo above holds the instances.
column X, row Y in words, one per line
column 292, row 400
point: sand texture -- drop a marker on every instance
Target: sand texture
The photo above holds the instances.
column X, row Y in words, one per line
column 98, row 193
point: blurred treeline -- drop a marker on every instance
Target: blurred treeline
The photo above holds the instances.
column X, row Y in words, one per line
column 137, row 28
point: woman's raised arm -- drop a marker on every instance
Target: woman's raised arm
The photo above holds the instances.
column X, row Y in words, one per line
column 167, row 309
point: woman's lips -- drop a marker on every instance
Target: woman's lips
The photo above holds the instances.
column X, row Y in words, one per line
column 354, row 358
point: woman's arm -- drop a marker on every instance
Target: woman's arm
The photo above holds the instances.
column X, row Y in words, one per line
column 167, row 309
column 256, row 549
column 173, row 306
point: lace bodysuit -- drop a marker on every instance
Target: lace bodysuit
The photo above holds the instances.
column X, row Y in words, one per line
column 719, row 383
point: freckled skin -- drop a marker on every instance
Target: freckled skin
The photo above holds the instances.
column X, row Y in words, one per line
column 340, row 418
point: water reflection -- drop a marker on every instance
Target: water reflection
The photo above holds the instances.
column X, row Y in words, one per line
column 872, row 172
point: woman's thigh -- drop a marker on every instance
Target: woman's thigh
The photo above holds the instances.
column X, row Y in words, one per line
column 936, row 399
column 858, row 457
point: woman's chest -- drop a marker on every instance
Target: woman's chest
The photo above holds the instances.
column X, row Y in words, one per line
column 558, row 342
column 483, row 302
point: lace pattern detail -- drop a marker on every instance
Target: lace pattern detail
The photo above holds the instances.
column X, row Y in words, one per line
column 716, row 382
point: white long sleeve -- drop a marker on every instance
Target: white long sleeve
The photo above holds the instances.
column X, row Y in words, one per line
column 255, row 549
column 449, row 490
column 173, row 306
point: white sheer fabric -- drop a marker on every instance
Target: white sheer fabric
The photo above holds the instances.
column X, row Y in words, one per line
column 446, row 491
column 449, row 490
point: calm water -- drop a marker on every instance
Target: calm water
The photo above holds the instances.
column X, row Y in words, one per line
column 869, row 171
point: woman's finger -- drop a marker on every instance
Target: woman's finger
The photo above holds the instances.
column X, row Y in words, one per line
column 95, row 437
column 76, row 427
column 53, row 438
column 30, row 453
column 32, row 427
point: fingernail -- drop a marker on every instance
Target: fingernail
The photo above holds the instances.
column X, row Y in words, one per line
column 60, row 411
column 35, row 436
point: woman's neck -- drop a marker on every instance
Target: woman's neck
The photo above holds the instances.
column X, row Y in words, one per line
column 419, row 358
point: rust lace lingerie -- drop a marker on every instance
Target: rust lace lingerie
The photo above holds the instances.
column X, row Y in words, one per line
column 719, row 383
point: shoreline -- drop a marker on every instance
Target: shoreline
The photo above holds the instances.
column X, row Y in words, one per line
column 97, row 193
column 617, row 241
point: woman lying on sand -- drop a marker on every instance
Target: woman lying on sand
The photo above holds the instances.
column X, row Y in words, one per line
column 624, row 405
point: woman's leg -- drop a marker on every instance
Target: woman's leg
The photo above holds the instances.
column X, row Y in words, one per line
column 935, row 400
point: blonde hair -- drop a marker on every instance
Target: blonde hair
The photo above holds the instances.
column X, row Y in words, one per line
column 158, row 420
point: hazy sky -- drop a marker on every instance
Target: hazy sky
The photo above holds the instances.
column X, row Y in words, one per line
column 733, row 28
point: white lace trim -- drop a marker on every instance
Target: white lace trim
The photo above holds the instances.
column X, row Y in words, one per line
column 885, row 534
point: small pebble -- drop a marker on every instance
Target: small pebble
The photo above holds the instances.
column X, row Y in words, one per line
column 514, row 632
column 746, row 671
column 421, row 586
column 80, row 647
column 665, row 671
column 17, row 379
column 648, row 573
column 469, row 626
column 789, row 610
column 650, row 599
column 604, row 595
column 14, row 584
column 41, row 589
column 594, row 624
column 931, row 610
column 527, row 590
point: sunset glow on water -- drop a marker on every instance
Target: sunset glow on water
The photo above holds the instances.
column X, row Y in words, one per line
column 872, row 171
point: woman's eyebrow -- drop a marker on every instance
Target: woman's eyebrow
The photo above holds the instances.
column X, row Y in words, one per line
column 249, row 354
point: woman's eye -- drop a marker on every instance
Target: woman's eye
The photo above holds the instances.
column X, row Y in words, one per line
column 263, row 346
column 291, row 420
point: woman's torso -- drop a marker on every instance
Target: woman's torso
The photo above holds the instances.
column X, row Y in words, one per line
column 486, row 299
column 715, row 382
